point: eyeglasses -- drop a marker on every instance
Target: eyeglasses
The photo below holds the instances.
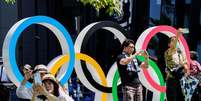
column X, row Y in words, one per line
column 131, row 46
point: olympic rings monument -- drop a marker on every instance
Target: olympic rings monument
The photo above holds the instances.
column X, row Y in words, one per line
column 64, row 64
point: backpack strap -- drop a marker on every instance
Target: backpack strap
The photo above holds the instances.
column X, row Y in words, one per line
column 137, row 67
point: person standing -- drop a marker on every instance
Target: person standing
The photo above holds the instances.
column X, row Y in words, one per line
column 195, row 71
column 48, row 91
column 22, row 91
column 27, row 93
column 174, row 59
column 128, row 67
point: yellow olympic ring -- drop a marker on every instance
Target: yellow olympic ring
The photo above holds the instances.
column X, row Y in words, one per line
column 81, row 56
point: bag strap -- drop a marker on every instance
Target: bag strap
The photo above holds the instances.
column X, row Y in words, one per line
column 137, row 67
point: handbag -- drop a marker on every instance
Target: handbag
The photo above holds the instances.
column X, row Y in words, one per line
column 177, row 71
column 188, row 85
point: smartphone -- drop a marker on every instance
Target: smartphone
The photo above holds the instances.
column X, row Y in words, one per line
column 27, row 68
column 185, row 30
column 37, row 78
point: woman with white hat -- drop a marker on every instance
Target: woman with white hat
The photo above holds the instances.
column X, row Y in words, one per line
column 27, row 93
column 49, row 90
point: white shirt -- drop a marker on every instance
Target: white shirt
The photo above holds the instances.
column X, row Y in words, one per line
column 4, row 77
column 177, row 58
column 25, row 93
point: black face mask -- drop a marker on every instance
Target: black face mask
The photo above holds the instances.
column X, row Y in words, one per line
column 43, row 97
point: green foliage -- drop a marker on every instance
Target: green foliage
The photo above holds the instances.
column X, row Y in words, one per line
column 10, row 1
column 111, row 6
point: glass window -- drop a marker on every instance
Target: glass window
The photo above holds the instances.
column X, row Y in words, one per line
column 188, row 1
column 158, row 2
column 186, row 21
column 155, row 7
column 200, row 16
column 173, row 2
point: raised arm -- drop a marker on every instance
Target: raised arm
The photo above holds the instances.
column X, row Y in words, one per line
column 126, row 60
column 179, row 32
column 22, row 91
column 145, row 64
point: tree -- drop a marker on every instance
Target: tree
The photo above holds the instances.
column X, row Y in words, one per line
column 10, row 1
column 111, row 6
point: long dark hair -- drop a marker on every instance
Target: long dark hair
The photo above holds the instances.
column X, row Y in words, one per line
column 55, row 92
column 193, row 55
column 56, row 88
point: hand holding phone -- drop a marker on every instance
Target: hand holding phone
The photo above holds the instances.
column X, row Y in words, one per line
column 27, row 68
column 27, row 73
column 37, row 78
column 183, row 30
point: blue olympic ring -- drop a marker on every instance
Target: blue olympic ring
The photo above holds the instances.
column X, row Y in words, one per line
column 34, row 20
